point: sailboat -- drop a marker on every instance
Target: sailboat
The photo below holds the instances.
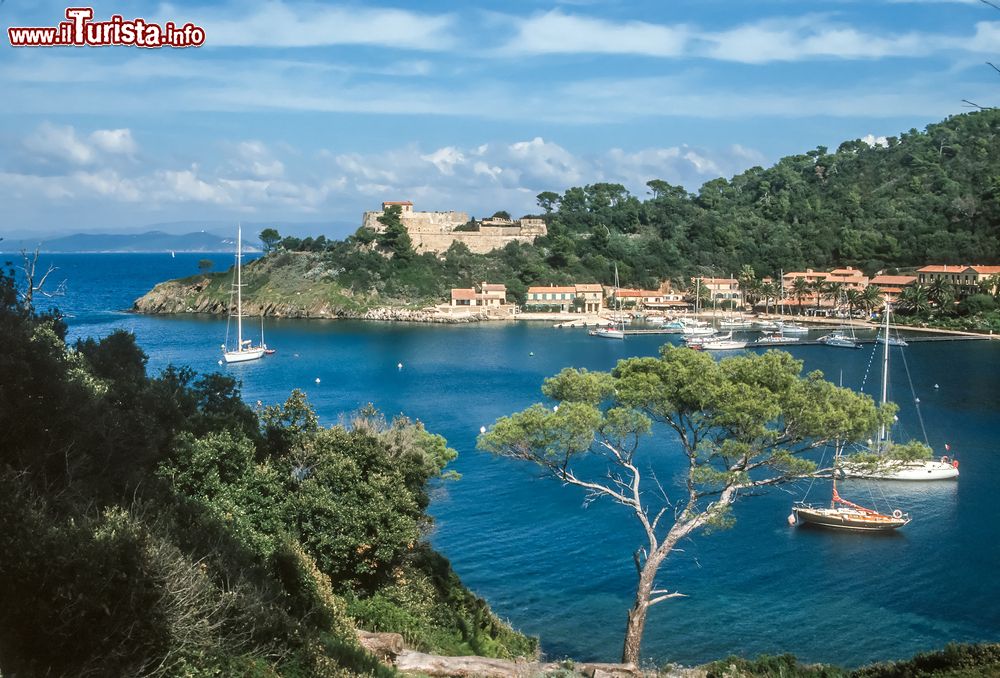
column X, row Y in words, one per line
column 845, row 515
column 244, row 350
column 931, row 469
column 612, row 332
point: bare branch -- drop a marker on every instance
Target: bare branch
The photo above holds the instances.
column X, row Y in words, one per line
column 660, row 599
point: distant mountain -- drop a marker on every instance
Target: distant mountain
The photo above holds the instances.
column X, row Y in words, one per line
column 151, row 241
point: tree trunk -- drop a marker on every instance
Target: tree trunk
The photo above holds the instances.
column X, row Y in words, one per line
column 637, row 615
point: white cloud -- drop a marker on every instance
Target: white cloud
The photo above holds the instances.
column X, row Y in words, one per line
column 445, row 159
column 806, row 38
column 62, row 143
column 59, row 143
column 118, row 141
column 254, row 159
column 277, row 24
column 558, row 33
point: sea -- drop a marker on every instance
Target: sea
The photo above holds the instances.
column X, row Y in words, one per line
column 560, row 568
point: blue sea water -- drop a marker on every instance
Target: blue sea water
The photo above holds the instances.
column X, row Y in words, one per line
column 562, row 571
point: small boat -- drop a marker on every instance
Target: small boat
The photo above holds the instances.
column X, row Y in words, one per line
column 734, row 325
column 608, row 333
column 893, row 341
column 698, row 331
column 723, row 345
column 775, row 340
column 269, row 351
column 839, row 340
column 792, row 328
column 244, row 350
column 766, row 325
column 845, row 515
column 694, row 340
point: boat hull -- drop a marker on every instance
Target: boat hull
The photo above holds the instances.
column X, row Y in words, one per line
column 608, row 334
column 243, row 356
column 847, row 519
column 912, row 471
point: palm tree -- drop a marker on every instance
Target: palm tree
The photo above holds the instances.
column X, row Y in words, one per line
column 749, row 285
column 854, row 300
column 769, row 291
column 871, row 298
column 940, row 292
column 800, row 288
column 817, row 287
column 834, row 291
column 914, row 300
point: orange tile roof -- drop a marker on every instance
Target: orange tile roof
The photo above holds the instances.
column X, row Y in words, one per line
column 494, row 287
column 987, row 270
column 893, row 279
column 461, row 293
column 717, row 281
column 946, row 268
column 589, row 287
column 397, row 202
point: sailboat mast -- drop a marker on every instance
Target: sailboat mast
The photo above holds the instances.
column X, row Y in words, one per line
column 885, row 370
column 239, row 287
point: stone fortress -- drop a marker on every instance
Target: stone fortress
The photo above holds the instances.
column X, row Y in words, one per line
column 435, row 231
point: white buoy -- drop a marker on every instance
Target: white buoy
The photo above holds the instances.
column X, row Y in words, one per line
column 482, row 429
column 399, row 366
column 935, row 386
column 531, row 353
column 317, row 380
column 917, row 400
column 220, row 362
column 555, row 408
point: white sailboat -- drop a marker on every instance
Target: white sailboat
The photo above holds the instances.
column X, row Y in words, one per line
column 612, row 332
column 782, row 326
column 244, row 350
column 931, row 469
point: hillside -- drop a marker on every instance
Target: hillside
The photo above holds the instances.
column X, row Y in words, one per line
column 921, row 197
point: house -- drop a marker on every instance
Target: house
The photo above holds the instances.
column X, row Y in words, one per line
column 891, row 286
column 551, row 298
column 720, row 289
column 492, row 295
column 592, row 295
column 849, row 278
column 639, row 299
column 965, row 279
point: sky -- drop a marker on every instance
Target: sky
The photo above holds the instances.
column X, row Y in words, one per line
column 316, row 112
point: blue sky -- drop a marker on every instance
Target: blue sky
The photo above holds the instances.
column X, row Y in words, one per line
column 315, row 112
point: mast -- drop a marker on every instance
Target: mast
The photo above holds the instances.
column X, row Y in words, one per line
column 885, row 372
column 697, row 294
column 239, row 288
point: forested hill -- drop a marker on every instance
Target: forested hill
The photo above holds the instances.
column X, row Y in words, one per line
column 931, row 196
column 922, row 197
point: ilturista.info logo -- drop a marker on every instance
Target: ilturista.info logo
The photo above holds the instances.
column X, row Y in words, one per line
column 80, row 30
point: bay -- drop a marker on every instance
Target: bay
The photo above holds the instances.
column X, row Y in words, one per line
column 562, row 571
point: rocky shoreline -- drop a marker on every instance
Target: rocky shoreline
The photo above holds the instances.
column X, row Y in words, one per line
column 174, row 297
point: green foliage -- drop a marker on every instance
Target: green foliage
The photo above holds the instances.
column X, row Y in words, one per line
column 157, row 525
column 269, row 238
column 955, row 661
column 765, row 666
